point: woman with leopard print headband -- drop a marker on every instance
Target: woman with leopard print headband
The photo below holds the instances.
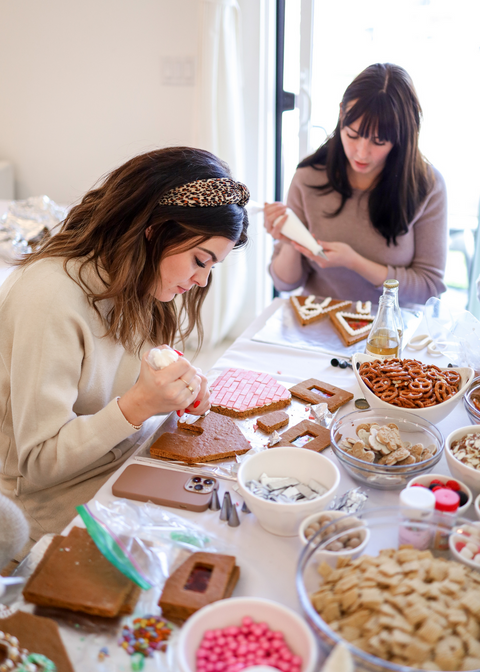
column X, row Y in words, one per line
column 81, row 312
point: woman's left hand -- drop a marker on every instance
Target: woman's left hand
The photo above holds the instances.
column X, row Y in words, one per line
column 201, row 404
column 339, row 254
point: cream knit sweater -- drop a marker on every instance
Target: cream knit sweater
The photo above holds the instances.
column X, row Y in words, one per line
column 61, row 431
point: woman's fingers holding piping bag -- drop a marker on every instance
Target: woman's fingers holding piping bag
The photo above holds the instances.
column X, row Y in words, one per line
column 274, row 215
column 202, row 402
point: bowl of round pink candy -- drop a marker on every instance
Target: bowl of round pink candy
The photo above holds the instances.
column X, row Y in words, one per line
column 242, row 632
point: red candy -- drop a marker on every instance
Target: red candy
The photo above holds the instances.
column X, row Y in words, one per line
column 453, row 485
column 459, row 545
column 233, row 649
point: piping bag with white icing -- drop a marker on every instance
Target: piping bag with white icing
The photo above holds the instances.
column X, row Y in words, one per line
column 297, row 231
column 160, row 357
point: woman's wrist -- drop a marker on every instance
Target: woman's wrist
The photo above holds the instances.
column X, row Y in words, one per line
column 370, row 270
column 287, row 265
column 132, row 411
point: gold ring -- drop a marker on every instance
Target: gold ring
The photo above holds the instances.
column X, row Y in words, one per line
column 189, row 387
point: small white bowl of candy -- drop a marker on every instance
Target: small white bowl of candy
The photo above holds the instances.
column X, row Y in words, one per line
column 434, row 481
column 464, row 543
column 337, row 534
column 253, row 630
column 270, row 482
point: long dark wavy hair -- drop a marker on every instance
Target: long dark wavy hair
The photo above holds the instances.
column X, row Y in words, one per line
column 108, row 228
column 384, row 97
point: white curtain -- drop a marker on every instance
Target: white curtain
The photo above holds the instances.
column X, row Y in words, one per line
column 219, row 128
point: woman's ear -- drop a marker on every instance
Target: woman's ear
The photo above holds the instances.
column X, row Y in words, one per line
column 148, row 233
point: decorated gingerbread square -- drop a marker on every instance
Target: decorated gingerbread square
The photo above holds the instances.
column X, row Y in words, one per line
column 310, row 309
column 353, row 326
column 315, row 391
column 240, row 393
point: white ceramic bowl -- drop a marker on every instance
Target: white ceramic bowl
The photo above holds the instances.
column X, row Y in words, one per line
column 281, row 518
column 466, row 533
column 468, row 475
column 230, row 612
column 349, row 524
column 432, row 413
column 476, row 506
column 426, row 479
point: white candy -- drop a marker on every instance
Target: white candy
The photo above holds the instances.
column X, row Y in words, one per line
column 160, row 358
column 466, row 553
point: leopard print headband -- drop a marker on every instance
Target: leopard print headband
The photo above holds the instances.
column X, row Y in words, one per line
column 207, row 193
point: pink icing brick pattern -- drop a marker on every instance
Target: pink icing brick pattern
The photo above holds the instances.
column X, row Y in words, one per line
column 240, row 390
column 233, row 649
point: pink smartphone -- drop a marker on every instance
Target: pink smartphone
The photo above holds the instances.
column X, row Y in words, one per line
column 177, row 489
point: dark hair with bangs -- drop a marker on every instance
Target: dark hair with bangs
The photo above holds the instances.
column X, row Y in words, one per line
column 108, row 227
column 384, row 97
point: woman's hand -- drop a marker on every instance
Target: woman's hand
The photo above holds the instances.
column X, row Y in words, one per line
column 176, row 387
column 202, row 402
column 341, row 254
column 274, row 217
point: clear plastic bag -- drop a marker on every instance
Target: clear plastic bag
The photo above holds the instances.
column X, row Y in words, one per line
column 142, row 540
column 456, row 335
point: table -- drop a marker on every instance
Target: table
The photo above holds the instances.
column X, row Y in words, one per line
column 267, row 562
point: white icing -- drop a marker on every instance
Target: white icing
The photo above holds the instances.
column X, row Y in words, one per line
column 354, row 332
column 363, row 308
column 311, row 309
column 160, row 358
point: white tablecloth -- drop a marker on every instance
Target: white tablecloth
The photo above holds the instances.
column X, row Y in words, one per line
column 268, row 562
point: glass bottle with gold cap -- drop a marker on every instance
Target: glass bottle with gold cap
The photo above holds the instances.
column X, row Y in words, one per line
column 383, row 341
column 390, row 288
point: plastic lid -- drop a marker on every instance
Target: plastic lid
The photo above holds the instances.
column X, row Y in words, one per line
column 446, row 500
column 417, row 498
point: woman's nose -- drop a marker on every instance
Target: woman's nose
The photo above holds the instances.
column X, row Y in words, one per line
column 200, row 277
column 362, row 147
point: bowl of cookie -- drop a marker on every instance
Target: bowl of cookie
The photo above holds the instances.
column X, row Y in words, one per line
column 385, row 449
column 396, row 607
column 426, row 390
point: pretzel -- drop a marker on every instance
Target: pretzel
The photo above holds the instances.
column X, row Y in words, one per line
column 409, row 383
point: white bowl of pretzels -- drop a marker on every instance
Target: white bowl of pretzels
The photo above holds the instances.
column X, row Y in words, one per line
column 426, row 390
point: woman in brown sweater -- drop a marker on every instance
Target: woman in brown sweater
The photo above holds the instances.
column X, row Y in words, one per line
column 370, row 199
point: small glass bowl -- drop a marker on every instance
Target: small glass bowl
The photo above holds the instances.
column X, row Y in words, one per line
column 385, row 526
column 473, row 392
column 384, row 477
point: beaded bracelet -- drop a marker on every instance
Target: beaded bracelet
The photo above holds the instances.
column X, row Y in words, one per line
column 135, row 427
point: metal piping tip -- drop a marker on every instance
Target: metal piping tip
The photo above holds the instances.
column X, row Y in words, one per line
column 214, row 502
column 226, row 506
column 233, row 520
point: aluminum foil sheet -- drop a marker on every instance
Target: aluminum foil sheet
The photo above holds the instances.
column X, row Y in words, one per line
column 283, row 328
column 26, row 223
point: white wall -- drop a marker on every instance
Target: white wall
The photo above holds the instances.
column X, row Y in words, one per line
column 81, row 87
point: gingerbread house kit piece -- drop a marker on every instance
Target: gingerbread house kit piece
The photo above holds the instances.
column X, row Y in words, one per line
column 38, row 635
column 74, row 575
column 306, row 434
column 353, row 326
column 315, row 391
column 310, row 309
column 273, row 421
column 212, row 437
column 202, row 579
column 240, row 393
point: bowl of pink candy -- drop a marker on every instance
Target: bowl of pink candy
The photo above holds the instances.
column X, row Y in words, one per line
column 239, row 633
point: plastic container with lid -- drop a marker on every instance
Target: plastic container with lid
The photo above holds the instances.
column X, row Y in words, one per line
column 417, row 506
column 446, row 506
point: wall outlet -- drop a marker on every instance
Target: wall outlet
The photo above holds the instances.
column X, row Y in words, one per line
column 178, row 71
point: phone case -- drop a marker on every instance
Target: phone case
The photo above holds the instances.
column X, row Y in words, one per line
column 161, row 486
